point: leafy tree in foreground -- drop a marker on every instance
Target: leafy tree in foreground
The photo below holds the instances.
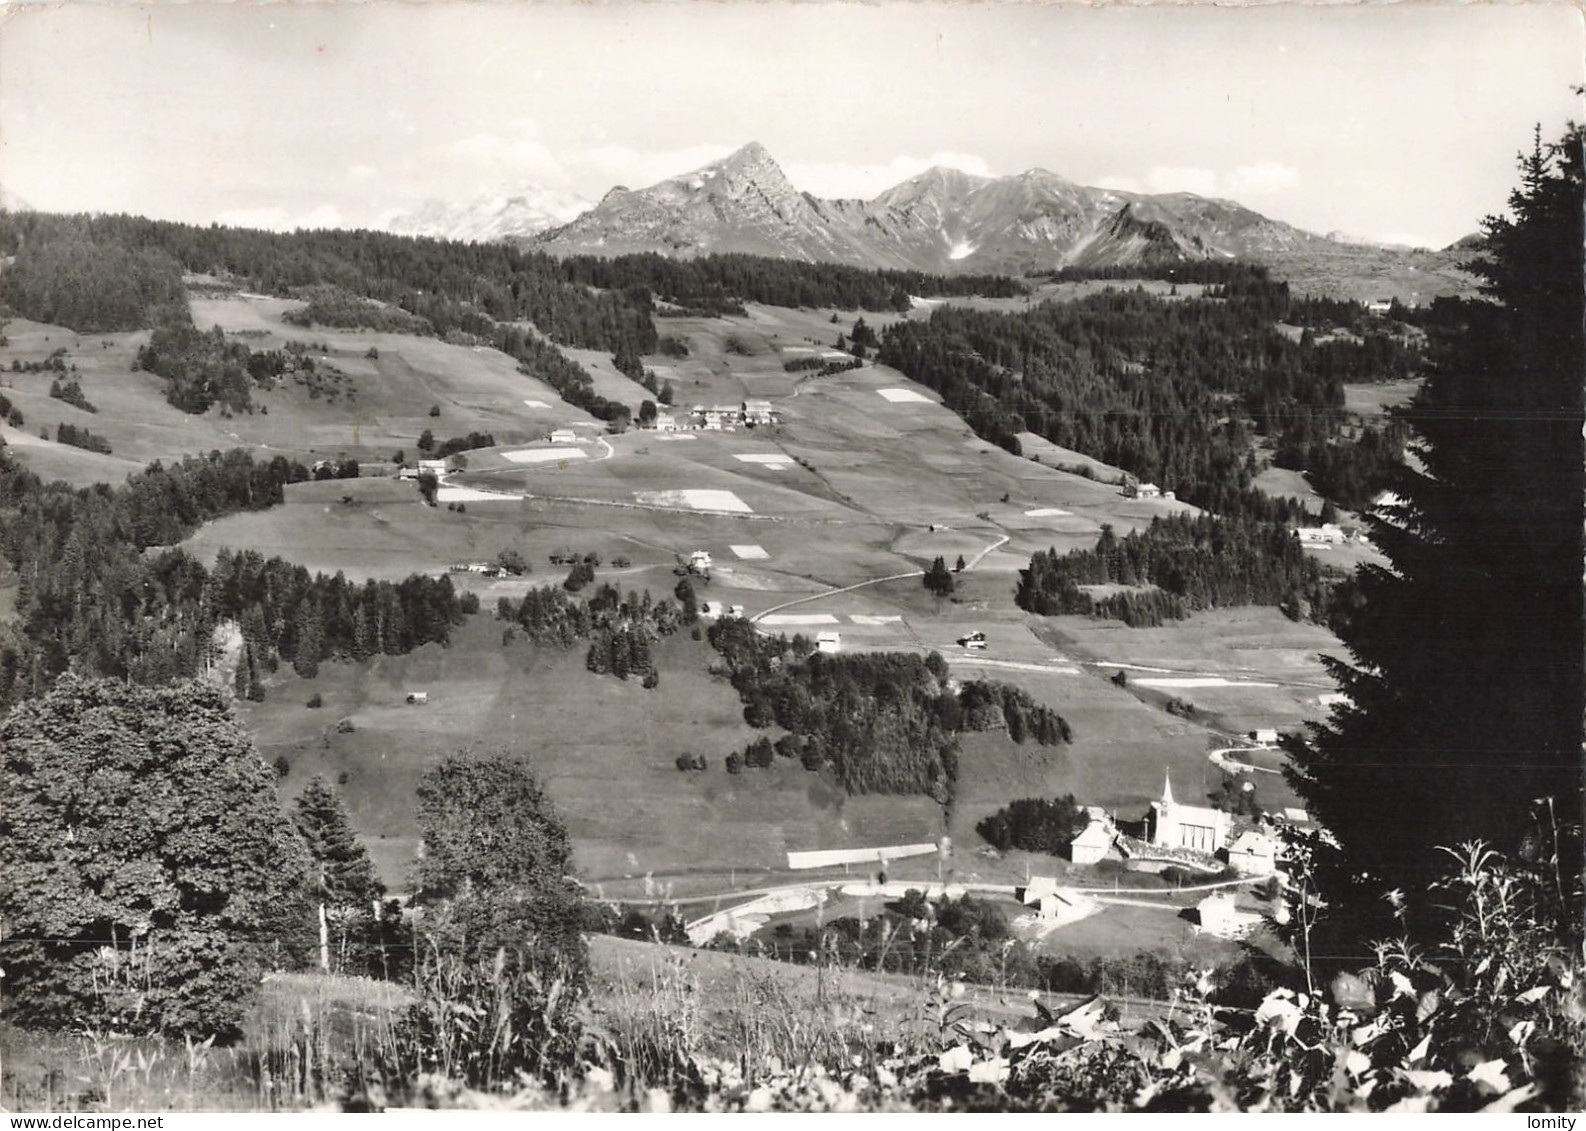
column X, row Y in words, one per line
column 147, row 873
column 503, row 964
column 490, row 835
column 1466, row 675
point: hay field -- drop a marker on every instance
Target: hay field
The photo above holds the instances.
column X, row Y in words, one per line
column 604, row 747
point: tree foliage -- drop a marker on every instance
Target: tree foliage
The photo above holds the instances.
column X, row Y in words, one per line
column 147, row 873
column 1465, row 664
column 878, row 723
column 1035, row 824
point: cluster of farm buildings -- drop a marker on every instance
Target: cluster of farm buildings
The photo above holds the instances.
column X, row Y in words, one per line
column 717, row 418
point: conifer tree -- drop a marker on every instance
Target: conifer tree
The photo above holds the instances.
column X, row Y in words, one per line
column 1465, row 670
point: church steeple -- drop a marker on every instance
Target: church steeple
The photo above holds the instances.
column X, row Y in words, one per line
column 1167, row 787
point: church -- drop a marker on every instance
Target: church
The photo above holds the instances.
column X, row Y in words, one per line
column 1169, row 824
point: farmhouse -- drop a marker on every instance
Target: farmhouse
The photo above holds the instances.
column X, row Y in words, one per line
column 1218, row 916
column 1379, row 306
column 1253, row 854
column 438, row 466
column 758, row 412
column 564, row 436
column 417, row 698
column 1265, row 737
column 699, row 560
column 1052, row 903
column 665, row 422
column 1093, row 843
column 1328, row 534
column 1136, row 490
column 829, row 642
column 721, row 416
column 1169, row 824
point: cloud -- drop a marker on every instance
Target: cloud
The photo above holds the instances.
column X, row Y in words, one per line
column 1182, row 178
column 609, row 165
column 362, row 173
column 863, row 181
column 1244, row 182
column 1262, row 178
column 1118, row 184
column 519, row 155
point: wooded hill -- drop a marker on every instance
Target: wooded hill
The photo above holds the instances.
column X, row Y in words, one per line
column 1174, row 391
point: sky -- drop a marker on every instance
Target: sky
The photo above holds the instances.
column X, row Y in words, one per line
column 1398, row 123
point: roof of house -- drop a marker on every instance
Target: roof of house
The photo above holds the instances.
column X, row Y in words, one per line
column 1094, row 835
column 1252, row 843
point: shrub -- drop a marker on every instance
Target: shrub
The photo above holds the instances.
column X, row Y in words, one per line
column 315, row 701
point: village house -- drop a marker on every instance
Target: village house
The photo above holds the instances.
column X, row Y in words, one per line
column 829, row 642
column 1169, row 824
column 1220, row 916
column 758, row 412
column 438, row 466
column 1135, row 490
column 665, row 422
column 720, row 416
column 564, row 436
column 1053, row 904
column 1253, row 854
column 1328, row 534
column 1093, row 842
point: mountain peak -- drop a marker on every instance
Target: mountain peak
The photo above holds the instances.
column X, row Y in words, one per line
column 753, row 161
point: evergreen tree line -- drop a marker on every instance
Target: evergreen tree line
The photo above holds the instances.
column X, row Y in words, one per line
column 96, row 273
column 1169, row 391
column 332, row 306
column 1196, row 562
column 876, row 723
column 70, row 277
column 541, row 360
column 286, row 613
column 81, row 438
column 454, row 287
column 716, row 285
column 1233, row 278
column 91, row 599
